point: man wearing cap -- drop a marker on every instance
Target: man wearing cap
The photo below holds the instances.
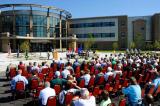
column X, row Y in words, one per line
column 57, row 80
column 133, row 93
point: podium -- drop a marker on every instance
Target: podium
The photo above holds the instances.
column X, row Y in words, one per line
column 55, row 55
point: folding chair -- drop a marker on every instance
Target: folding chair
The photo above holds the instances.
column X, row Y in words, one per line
column 34, row 84
column 68, row 98
column 51, row 101
column 81, row 83
column 19, row 89
column 57, row 89
column 122, row 102
column 12, row 73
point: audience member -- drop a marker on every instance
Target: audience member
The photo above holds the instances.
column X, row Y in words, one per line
column 108, row 73
column 133, row 92
column 85, row 99
column 17, row 78
column 105, row 100
column 57, row 80
column 45, row 94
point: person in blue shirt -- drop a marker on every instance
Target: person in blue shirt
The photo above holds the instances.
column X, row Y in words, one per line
column 156, row 81
column 133, row 92
column 17, row 78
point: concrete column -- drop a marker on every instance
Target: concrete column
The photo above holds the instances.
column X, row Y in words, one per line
column 14, row 22
column 0, row 22
column 14, row 45
column 66, row 32
column 60, row 31
column 31, row 22
column 5, row 45
column 48, row 21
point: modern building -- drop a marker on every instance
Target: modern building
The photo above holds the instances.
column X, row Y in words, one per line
column 47, row 27
column 105, row 31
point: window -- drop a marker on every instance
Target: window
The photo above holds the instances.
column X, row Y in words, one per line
column 122, row 23
column 122, row 34
column 97, row 35
column 96, row 24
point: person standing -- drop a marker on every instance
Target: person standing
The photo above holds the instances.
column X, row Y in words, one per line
column 48, row 55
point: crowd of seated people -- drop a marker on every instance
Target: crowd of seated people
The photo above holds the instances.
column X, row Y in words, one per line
column 92, row 81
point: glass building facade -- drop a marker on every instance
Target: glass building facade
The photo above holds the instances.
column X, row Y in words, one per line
column 22, row 24
column 41, row 25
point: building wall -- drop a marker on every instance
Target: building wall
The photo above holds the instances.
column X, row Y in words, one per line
column 119, row 29
column 147, row 30
column 156, row 27
column 97, row 30
column 122, row 31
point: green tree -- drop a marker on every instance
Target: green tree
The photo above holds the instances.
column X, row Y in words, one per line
column 25, row 46
column 115, row 45
column 132, row 45
column 89, row 42
column 156, row 45
column 149, row 46
column 139, row 40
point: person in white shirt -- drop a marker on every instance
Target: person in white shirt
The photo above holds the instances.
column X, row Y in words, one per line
column 85, row 99
column 45, row 94
column 105, row 98
column 44, row 66
column 35, row 67
column 86, row 77
column 18, row 78
column 107, row 74
column 118, row 71
column 65, row 73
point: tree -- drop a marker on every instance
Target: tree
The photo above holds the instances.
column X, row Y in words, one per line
column 149, row 46
column 139, row 40
column 89, row 42
column 115, row 45
column 25, row 46
column 132, row 45
column 156, row 45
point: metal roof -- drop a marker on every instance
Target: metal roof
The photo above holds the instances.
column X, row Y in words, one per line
column 68, row 14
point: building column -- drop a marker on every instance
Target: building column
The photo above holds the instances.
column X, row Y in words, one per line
column 14, row 22
column 48, row 25
column 14, row 45
column 5, row 45
column 66, row 32
column 31, row 22
column 0, row 31
column 60, row 31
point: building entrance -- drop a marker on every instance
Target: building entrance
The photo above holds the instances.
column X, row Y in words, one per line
column 41, row 47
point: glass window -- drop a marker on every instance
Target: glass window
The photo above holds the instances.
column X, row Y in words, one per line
column 96, row 24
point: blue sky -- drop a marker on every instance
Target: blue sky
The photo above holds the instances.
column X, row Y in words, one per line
column 93, row 8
